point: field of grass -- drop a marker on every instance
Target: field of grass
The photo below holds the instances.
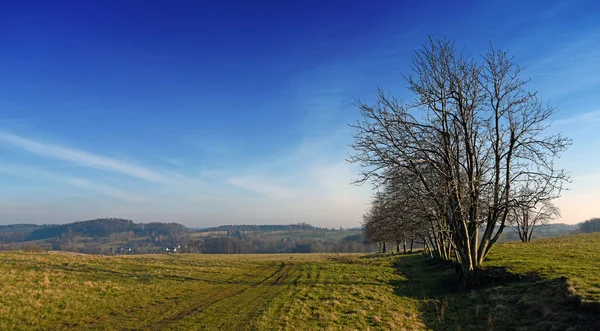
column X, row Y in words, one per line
column 547, row 284
column 544, row 285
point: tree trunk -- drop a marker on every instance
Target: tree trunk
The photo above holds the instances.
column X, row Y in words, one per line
column 474, row 247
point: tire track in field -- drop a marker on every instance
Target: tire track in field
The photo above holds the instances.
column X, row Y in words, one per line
column 252, row 307
column 276, row 315
column 232, row 283
column 212, row 299
column 311, row 275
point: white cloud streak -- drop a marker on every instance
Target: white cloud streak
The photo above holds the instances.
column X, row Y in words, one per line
column 104, row 189
column 261, row 185
column 110, row 191
column 82, row 158
column 585, row 118
column 170, row 161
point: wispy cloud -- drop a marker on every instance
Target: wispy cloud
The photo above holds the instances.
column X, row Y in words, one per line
column 23, row 171
column 170, row 161
column 587, row 117
column 573, row 58
column 104, row 189
column 261, row 185
column 82, row 158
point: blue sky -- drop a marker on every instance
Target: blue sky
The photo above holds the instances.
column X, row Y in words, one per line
column 207, row 113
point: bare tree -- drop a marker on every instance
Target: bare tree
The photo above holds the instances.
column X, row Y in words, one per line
column 376, row 225
column 391, row 218
column 471, row 139
column 524, row 219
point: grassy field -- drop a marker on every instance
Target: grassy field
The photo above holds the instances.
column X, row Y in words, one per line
column 544, row 285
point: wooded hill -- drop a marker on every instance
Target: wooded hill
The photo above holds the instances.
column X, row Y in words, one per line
column 266, row 228
column 123, row 236
column 106, row 226
column 102, row 227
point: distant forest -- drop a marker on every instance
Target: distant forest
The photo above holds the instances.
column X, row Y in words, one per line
column 121, row 236
column 589, row 226
column 266, row 228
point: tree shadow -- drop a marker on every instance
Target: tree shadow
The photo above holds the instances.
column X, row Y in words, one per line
column 496, row 299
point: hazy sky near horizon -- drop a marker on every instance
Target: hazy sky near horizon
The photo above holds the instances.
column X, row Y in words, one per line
column 224, row 112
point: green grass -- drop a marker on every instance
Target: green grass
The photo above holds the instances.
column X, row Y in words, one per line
column 548, row 284
column 575, row 257
column 302, row 291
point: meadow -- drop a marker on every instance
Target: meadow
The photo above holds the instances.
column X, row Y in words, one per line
column 543, row 285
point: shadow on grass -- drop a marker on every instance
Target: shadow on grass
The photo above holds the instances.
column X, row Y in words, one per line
column 497, row 300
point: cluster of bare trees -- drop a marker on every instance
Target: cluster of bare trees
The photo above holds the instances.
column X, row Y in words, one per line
column 470, row 155
column 394, row 218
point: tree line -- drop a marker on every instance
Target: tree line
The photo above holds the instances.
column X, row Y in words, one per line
column 469, row 155
column 590, row 226
column 121, row 236
column 261, row 228
column 255, row 245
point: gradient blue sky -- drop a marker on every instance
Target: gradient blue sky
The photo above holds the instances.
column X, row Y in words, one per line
column 217, row 112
